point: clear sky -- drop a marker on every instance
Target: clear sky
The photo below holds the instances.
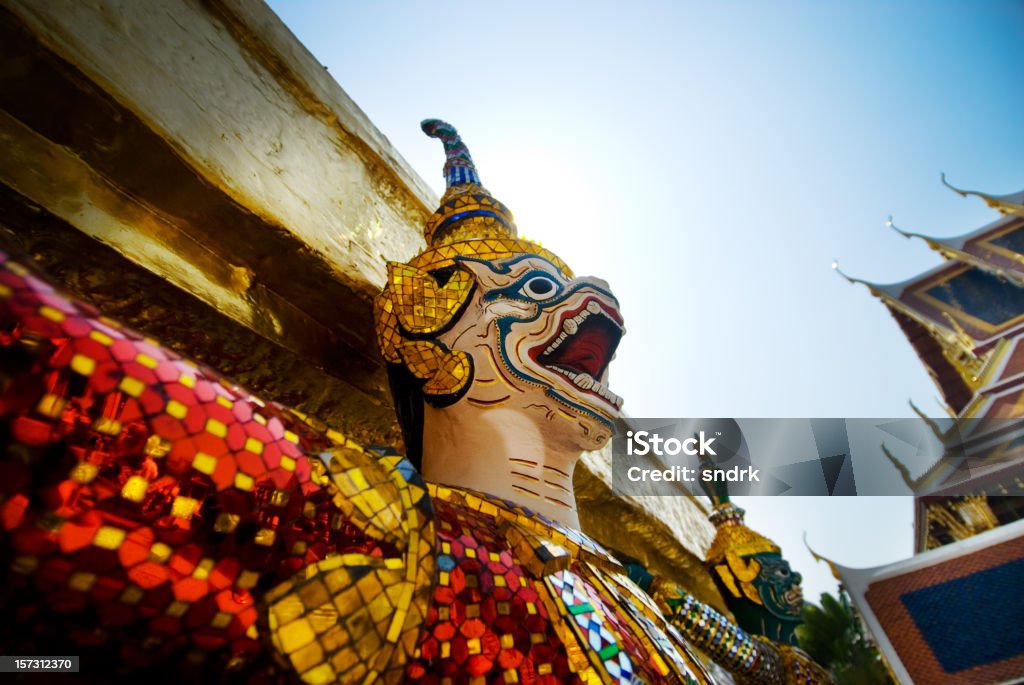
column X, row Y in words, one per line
column 710, row 161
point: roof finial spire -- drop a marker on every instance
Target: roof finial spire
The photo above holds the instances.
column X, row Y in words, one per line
column 817, row 557
column 1004, row 204
column 952, row 187
column 849, row 279
column 889, row 223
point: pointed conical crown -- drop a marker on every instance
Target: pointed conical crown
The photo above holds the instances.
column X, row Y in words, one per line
column 470, row 221
column 420, row 300
column 467, row 209
column 731, row 533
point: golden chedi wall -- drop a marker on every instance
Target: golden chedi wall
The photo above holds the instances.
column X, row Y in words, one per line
column 191, row 169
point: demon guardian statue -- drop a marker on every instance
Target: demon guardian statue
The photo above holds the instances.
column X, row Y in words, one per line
column 155, row 514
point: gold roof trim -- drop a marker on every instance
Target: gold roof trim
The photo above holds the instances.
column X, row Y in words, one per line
column 957, row 346
column 1004, row 204
column 950, row 251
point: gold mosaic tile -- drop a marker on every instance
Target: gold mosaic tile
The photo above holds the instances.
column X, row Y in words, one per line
column 352, row 615
column 447, row 372
column 422, row 306
column 491, row 250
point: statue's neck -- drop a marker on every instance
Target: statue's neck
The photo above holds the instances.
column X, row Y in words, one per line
column 501, row 452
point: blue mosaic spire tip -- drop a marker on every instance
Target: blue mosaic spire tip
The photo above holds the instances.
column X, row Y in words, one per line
column 458, row 165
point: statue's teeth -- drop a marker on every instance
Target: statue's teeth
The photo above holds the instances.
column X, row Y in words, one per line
column 554, row 346
column 570, row 326
column 593, row 307
column 607, row 394
column 585, row 381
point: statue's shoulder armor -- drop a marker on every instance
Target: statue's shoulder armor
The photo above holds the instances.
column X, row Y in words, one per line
column 154, row 510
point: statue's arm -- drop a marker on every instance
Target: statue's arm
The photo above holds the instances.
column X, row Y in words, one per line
column 751, row 659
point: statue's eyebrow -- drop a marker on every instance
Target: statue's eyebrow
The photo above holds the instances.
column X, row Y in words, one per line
column 522, row 267
column 517, row 270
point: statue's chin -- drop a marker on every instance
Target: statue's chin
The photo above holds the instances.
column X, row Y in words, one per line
column 590, row 435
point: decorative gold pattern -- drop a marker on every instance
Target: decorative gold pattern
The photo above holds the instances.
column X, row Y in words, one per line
column 958, row 518
column 386, row 327
column 421, row 305
column 740, row 540
column 490, row 249
column 446, row 372
column 353, row 617
column 495, row 221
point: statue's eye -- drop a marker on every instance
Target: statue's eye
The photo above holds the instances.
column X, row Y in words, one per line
column 539, row 288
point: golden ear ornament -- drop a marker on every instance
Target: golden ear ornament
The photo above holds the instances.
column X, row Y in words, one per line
column 386, row 325
column 745, row 571
column 413, row 303
column 446, row 372
column 727, row 579
column 752, row 594
column 736, row 569
column 420, row 303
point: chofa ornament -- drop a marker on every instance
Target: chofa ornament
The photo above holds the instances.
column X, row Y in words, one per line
column 161, row 517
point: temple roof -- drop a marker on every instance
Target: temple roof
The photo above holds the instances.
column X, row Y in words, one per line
column 957, row 314
column 946, row 350
column 1004, row 204
column 965, row 320
column 900, row 297
column 985, row 248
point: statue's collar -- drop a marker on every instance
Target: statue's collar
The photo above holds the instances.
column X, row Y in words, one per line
column 545, row 545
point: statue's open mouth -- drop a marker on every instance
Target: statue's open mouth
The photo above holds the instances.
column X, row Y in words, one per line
column 794, row 598
column 583, row 348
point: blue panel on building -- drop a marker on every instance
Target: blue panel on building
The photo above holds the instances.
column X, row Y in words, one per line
column 974, row 620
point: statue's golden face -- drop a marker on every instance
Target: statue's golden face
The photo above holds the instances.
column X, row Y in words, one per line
column 542, row 342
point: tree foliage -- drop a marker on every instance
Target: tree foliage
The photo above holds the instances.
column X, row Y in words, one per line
column 834, row 636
